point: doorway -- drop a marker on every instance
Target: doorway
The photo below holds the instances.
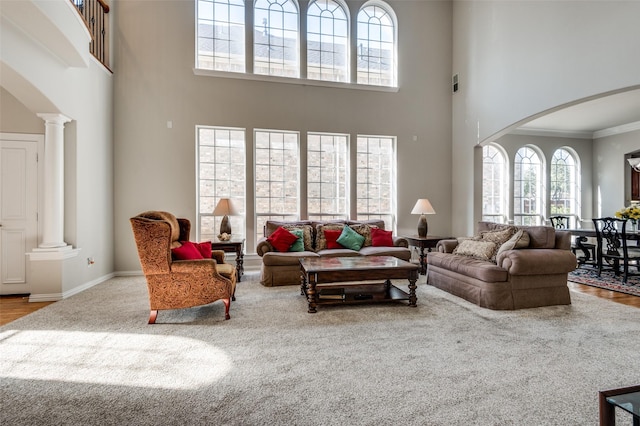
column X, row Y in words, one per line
column 19, row 178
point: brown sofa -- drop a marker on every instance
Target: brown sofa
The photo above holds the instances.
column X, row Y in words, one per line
column 283, row 268
column 528, row 277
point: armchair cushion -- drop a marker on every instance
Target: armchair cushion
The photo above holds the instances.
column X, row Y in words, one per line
column 187, row 251
column 281, row 239
column 204, row 248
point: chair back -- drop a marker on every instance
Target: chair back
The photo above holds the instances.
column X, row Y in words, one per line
column 153, row 239
column 559, row 222
column 611, row 236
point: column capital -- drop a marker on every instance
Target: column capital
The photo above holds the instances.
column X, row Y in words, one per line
column 52, row 117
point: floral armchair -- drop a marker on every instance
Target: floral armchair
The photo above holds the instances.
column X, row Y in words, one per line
column 177, row 284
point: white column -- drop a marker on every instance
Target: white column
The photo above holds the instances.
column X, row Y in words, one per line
column 53, row 209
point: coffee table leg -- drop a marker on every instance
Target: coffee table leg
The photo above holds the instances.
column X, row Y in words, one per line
column 303, row 284
column 311, row 294
column 413, row 299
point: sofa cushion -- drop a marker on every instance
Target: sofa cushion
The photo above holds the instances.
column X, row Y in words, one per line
column 480, row 269
column 541, row 236
column 290, row 258
column 341, row 252
column 519, row 240
column 281, row 239
column 331, row 236
column 321, row 241
column 350, row 239
column 399, row 252
column 478, row 249
column 364, row 230
column 298, row 245
column 381, row 238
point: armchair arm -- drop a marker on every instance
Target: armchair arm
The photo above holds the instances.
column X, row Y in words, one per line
column 537, row 261
column 264, row 247
column 218, row 255
column 446, row 246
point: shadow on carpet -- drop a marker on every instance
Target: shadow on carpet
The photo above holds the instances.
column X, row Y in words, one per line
column 608, row 280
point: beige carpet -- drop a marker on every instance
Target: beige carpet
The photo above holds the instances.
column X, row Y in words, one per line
column 93, row 360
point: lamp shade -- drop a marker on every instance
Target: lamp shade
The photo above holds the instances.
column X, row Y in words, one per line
column 634, row 163
column 225, row 207
column 423, row 206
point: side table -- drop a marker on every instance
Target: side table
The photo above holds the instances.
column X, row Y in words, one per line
column 626, row 398
column 232, row 246
column 429, row 242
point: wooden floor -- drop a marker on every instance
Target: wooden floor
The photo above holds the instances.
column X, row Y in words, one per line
column 14, row 307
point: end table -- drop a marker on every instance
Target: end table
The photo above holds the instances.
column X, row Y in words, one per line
column 422, row 243
column 626, row 398
column 232, row 246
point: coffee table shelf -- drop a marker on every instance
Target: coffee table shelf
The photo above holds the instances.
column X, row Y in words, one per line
column 360, row 293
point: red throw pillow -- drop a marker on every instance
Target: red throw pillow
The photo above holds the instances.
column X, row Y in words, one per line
column 205, row 249
column 331, row 235
column 187, row 251
column 381, row 238
column 281, row 239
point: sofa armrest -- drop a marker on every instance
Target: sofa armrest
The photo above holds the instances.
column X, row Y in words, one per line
column 537, row 261
column 400, row 242
column 446, row 246
column 264, row 246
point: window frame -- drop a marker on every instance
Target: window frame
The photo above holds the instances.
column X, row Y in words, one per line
column 339, row 4
column 501, row 184
column 528, row 218
column 573, row 184
column 394, row 50
column 215, row 53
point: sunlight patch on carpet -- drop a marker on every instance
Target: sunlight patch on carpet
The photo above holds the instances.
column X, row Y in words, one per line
column 119, row 359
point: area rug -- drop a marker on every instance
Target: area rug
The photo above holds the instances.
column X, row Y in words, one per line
column 92, row 359
column 608, row 280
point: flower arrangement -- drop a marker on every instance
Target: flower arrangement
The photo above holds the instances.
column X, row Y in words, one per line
column 632, row 213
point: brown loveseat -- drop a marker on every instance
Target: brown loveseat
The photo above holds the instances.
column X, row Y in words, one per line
column 527, row 277
column 283, row 268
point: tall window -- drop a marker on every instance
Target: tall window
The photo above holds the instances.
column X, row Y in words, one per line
column 494, row 184
column 376, row 45
column 277, row 176
column 327, row 176
column 220, row 35
column 376, row 179
column 565, row 185
column 327, row 41
column 221, row 174
column 275, row 46
column 528, row 191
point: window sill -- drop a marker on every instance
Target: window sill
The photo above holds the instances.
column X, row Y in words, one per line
column 297, row 81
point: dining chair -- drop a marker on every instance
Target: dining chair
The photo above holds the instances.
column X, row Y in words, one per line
column 585, row 248
column 612, row 246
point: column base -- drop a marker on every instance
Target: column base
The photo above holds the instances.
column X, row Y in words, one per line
column 51, row 272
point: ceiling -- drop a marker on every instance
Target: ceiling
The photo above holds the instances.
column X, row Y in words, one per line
column 597, row 117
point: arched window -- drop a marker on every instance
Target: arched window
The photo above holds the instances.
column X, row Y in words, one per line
column 528, row 190
column 494, row 184
column 564, row 193
column 220, row 34
column 327, row 41
column 376, row 45
column 275, row 46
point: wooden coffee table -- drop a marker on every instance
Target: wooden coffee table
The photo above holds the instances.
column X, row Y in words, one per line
column 338, row 280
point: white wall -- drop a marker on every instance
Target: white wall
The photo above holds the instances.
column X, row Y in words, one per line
column 35, row 80
column 155, row 83
column 519, row 59
column 612, row 172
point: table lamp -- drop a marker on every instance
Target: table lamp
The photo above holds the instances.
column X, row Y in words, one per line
column 634, row 163
column 225, row 208
column 423, row 208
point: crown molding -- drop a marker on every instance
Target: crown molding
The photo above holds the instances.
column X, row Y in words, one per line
column 573, row 134
column 624, row 128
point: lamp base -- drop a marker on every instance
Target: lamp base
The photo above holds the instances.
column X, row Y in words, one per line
column 423, row 227
column 225, row 227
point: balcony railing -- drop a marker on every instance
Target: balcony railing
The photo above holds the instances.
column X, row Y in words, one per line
column 94, row 14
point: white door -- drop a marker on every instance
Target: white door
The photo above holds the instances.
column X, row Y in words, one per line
column 18, row 211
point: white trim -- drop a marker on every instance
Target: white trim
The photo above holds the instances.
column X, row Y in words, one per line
column 54, row 297
column 623, row 128
column 573, row 134
column 288, row 80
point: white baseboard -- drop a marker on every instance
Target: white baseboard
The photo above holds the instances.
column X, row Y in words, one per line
column 54, row 297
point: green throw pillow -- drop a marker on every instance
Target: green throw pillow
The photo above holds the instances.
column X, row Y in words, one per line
column 350, row 239
column 299, row 244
